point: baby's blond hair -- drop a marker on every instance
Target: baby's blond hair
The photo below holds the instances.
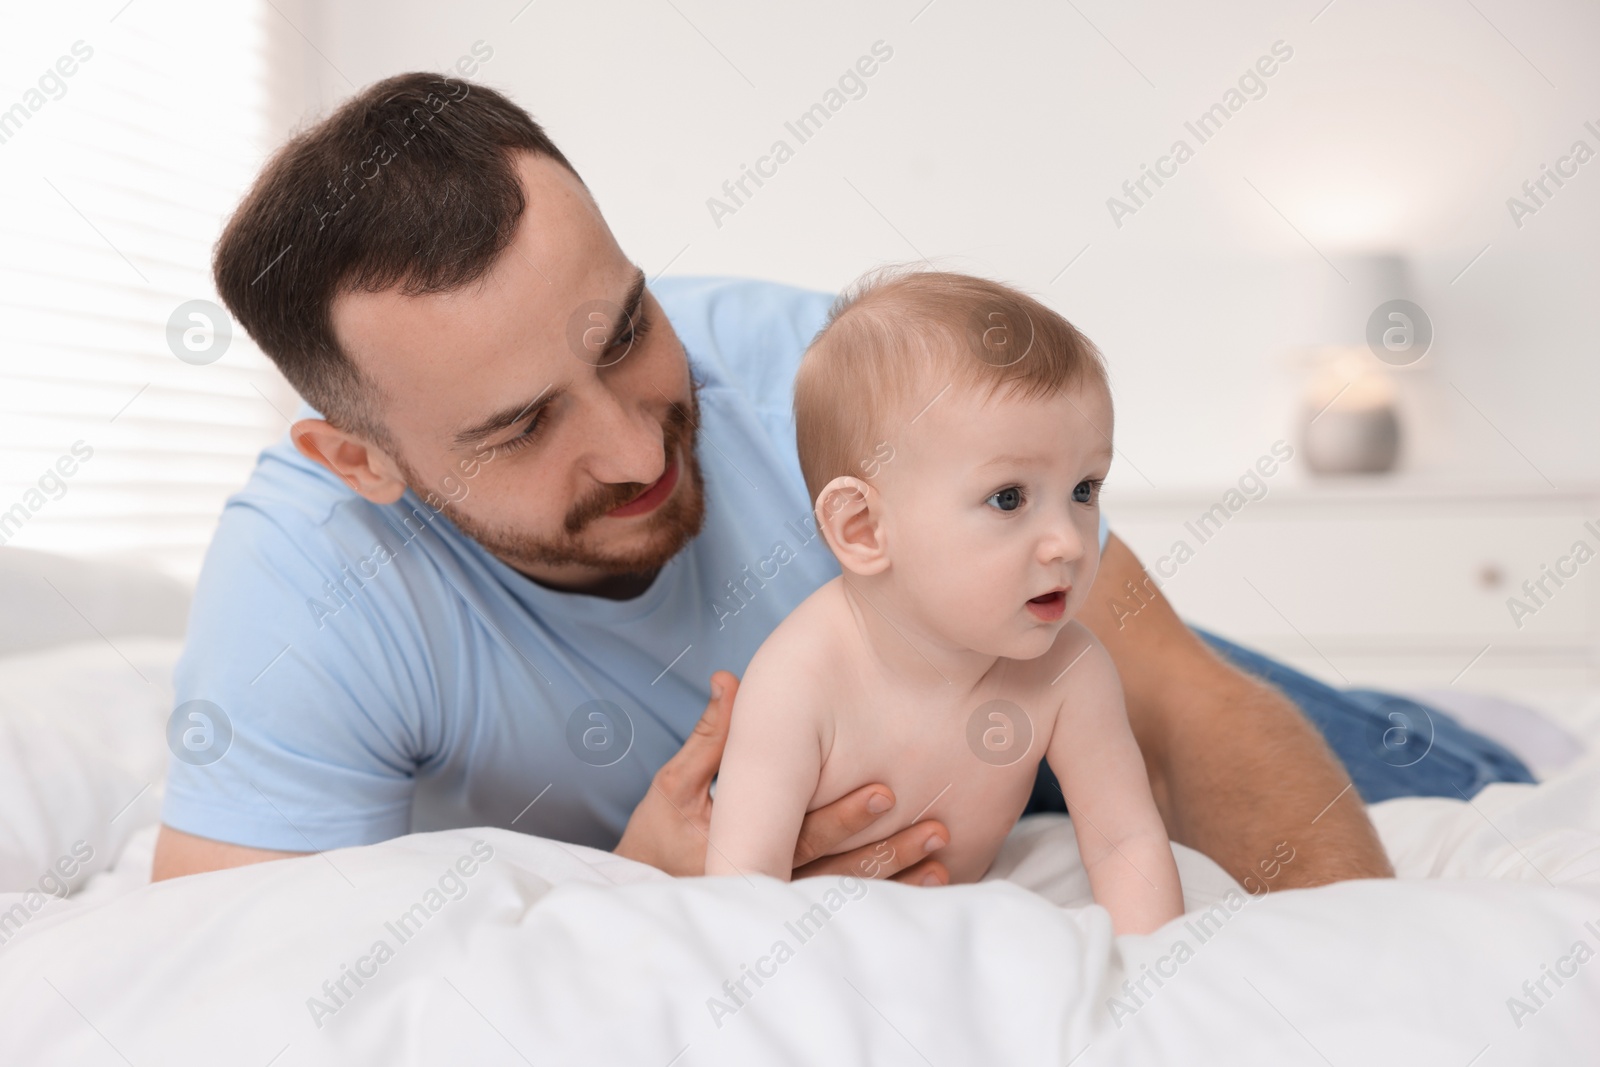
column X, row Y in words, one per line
column 896, row 338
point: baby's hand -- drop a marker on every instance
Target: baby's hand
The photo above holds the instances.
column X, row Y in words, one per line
column 1137, row 882
column 1121, row 838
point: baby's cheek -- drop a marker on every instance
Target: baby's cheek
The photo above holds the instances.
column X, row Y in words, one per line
column 1088, row 567
column 974, row 606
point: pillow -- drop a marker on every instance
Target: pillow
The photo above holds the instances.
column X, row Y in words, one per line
column 1537, row 739
column 54, row 599
column 82, row 756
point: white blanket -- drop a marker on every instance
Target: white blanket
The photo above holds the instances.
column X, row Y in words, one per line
column 491, row 947
column 547, row 953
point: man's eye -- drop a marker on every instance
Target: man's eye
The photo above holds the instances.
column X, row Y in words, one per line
column 1010, row 498
column 1085, row 491
column 525, row 438
column 637, row 327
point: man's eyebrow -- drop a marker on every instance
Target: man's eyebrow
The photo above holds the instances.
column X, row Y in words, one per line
column 508, row 417
column 631, row 306
column 628, row 314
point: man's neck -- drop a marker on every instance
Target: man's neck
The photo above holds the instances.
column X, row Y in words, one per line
column 610, row 587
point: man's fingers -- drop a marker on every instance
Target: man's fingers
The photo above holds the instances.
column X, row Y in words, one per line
column 823, row 830
column 929, row 872
column 890, row 857
column 696, row 763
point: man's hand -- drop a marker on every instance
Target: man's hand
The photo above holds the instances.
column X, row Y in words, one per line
column 668, row 829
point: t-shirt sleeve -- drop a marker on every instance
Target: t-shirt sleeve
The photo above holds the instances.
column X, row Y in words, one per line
column 296, row 724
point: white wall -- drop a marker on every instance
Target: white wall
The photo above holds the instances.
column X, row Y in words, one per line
column 993, row 137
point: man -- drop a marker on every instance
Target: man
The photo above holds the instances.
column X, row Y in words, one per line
column 489, row 580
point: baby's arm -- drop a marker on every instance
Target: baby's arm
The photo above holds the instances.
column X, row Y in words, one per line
column 1121, row 837
column 769, row 769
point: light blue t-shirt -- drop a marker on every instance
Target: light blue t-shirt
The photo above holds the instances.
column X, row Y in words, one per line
column 378, row 672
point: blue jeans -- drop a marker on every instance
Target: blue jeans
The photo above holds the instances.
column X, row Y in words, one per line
column 1390, row 745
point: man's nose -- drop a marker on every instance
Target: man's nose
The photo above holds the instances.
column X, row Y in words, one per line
column 628, row 441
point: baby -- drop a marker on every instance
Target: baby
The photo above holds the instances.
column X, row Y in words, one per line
column 954, row 434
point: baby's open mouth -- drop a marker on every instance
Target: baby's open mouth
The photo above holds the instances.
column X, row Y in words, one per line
column 1049, row 606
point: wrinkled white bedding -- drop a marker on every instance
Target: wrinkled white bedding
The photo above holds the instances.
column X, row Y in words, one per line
column 522, row 950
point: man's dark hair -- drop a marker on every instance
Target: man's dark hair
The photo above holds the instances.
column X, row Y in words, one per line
column 411, row 183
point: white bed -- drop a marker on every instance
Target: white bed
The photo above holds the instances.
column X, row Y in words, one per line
column 558, row 954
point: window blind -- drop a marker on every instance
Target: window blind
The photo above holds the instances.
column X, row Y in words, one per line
column 127, row 135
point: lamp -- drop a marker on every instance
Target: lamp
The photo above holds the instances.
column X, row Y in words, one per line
column 1350, row 424
column 1364, row 328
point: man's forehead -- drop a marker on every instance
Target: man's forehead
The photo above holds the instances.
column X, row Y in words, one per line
column 560, row 251
column 433, row 348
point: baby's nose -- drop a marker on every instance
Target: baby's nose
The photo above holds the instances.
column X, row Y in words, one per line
column 1062, row 542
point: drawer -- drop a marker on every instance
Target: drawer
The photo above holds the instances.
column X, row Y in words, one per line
column 1420, row 580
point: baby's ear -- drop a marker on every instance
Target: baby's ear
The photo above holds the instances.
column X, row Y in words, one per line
column 849, row 514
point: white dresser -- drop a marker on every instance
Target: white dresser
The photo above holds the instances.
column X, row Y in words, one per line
column 1385, row 581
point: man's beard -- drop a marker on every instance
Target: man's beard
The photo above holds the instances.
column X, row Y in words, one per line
column 671, row 526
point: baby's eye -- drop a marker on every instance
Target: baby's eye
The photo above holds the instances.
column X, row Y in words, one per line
column 1010, row 498
column 1087, row 491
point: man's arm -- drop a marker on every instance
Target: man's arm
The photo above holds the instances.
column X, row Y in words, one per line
column 669, row 828
column 178, row 854
column 1236, row 769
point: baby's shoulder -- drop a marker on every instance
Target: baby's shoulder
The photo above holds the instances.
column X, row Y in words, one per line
column 810, row 646
column 799, row 675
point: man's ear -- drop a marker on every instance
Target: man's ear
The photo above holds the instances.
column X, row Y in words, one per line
column 850, row 515
column 363, row 466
